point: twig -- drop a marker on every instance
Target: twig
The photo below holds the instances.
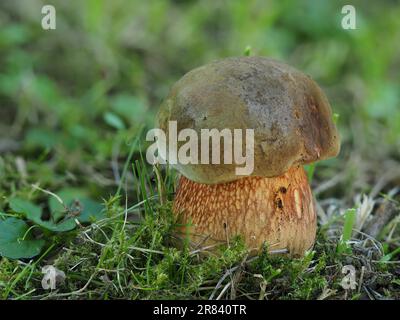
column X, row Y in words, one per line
column 36, row 186
column 224, row 290
column 329, row 183
column 227, row 273
column 386, row 211
column 361, row 279
column 389, row 176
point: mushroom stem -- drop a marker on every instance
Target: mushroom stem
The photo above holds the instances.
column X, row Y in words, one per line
column 279, row 211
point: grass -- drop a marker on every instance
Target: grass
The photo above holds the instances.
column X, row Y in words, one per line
column 349, row 220
column 76, row 101
column 128, row 255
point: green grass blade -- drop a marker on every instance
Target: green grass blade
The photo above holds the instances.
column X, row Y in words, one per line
column 349, row 220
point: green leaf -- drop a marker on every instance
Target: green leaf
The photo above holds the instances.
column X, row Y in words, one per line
column 25, row 207
column 247, row 51
column 57, row 210
column 396, row 281
column 130, row 108
column 114, row 120
column 335, row 118
column 91, row 211
column 41, row 137
column 390, row 255
column 310, row 169
column 14, row 35
column 350, row 219
column 76, row 201
column 34, row 214
column 16, row 242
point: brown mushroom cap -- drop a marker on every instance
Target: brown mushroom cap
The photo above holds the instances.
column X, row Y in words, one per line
column 290, row 115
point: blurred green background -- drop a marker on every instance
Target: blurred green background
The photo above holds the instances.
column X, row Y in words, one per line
column 73, row 99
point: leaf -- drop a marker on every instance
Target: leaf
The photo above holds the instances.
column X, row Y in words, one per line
column 350, row 218
column 14, row 35
column 23, row 206
column 76, row 200
column 41, row 137
column 13, row 245
column 130, row 108
column 396, row 281
column 310, row 169
column 390, row 255
column 91, row 211
column 247, row 51
column 114, row 121
column 34, row 214
column 335, row 118
column 57, row 209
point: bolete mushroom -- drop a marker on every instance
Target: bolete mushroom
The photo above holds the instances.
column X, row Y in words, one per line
column 292, row 122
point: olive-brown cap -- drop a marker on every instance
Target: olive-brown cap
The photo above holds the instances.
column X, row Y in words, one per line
column 290, row 115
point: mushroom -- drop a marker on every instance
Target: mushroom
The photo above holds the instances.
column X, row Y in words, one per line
column 292, row 122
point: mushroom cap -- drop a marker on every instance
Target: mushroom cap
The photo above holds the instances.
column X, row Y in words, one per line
column 290, row 115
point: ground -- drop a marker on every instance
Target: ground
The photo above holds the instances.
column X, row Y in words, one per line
column 76, row 102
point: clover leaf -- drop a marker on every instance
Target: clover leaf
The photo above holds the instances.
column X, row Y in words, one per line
column 77, row 204
column 15, row 240
column 33, row 213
